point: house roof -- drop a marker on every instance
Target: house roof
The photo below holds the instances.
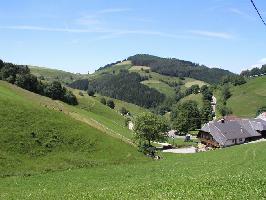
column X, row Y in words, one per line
column 233, row 129
column 259, row 124
column 262, row 116
column 250, row 126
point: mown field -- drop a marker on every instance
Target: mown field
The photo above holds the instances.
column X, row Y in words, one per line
column 233, row 173
column 161, row 87
column 247, row 98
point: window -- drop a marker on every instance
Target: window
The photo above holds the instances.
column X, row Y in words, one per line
column 240, row 139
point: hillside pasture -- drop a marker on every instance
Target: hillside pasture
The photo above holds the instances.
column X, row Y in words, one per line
column 247, row 98
column 160, row 86
column 114, row 69
column 38, row 137
column 189, row 82
column 232, row 173
column 194, row 97
column 56, row 75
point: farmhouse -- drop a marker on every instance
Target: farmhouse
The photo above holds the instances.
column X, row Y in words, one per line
column 262, row 116
column 225, row 133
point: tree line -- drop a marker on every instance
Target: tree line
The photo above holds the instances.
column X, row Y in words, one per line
column 234, row 80
column 20, row 75
column 255, row 71
column 179, row 68
column 109, row 65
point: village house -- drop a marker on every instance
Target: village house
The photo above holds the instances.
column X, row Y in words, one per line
column 226, row 133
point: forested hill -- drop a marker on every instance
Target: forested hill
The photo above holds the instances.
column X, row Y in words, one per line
column 124, row 86
column 179, row 68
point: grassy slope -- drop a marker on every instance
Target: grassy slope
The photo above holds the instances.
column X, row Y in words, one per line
column 91, row 108
column 194, row 97
column 115, row 68
column 132, row 108
column 248, row 97
column 233, row 173
column 54, row 74
column 190, row 81
column 160, row 86
column 61, row 140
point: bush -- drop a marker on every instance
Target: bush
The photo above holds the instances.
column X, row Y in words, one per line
column 55, row 91
column 127, row 120
column 224, row 111
column 91, row 91
column 147, row 149
column 261, row 110
column 70, row 98
column 103, row 101
column 27, row 82
column 111, row 104
column 123, row 111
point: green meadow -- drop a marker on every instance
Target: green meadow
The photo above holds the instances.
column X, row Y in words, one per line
column 50, row 150
column 38, row 137
column 247, row 98
column 233, row 173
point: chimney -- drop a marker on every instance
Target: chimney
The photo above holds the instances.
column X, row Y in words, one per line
column 222, row 120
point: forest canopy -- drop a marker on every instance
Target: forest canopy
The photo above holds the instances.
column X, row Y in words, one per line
column 124, row 86
column 179, row 68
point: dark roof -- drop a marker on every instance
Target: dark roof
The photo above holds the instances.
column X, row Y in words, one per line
column 250, row 126
column 259, row 124
column 234, row 129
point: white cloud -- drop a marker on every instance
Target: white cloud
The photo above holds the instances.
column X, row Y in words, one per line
column 263, row 61
column 49, row 29
column 259, row 63
column 103, row 31
column 240, row 13
column 113, row 33
column 221, row 35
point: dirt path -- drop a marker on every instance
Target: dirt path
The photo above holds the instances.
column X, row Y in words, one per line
column 181, row 150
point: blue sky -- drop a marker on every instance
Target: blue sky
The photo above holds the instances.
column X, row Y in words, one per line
column 83, row 35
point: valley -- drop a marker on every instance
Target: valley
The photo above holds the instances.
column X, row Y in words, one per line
column 90, row 149
column 132, row 100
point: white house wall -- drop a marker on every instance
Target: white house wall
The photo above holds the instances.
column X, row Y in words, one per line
column 231, row 142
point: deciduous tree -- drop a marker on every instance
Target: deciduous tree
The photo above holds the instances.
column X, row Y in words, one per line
column 149, row 127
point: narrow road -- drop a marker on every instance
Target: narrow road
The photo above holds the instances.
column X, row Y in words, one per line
column 181, row 150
